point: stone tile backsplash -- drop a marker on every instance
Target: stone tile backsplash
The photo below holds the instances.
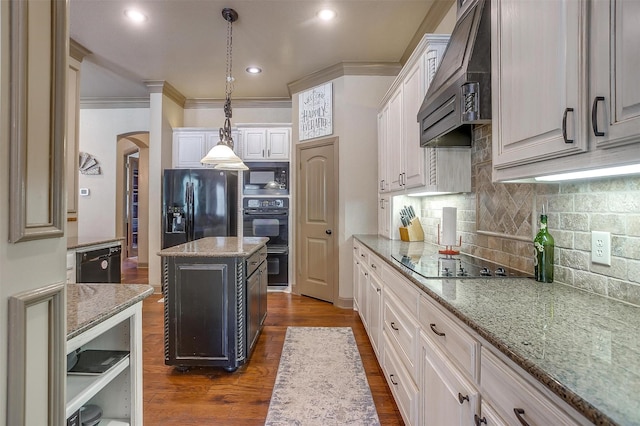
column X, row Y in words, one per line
column 497, row 221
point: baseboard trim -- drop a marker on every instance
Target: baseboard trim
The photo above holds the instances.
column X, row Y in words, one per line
column 344, row 303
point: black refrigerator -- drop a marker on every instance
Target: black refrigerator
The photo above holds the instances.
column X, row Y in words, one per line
column 198, row 203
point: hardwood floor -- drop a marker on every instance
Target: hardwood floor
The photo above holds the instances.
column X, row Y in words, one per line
column 211, row 396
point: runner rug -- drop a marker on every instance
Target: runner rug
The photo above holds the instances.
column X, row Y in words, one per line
column 321, row 380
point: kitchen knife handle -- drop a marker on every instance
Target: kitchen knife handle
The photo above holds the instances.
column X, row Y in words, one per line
column 594, row 115
column 564, row 125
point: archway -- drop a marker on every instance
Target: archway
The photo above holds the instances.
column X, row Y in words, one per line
column 132, row 198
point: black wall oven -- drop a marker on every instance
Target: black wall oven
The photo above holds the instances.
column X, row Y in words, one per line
column 266, row 178
column 269, row 217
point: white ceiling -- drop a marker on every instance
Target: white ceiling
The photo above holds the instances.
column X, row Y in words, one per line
column 183, row 42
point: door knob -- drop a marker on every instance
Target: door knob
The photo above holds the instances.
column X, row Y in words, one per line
column 328, row 232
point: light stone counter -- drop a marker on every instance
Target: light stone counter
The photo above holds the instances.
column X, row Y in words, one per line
column 79, row 242
column 90, row 304
column 584, row 347
column 216, row 247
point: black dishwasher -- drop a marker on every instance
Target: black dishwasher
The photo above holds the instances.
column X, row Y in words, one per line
column 99, row 265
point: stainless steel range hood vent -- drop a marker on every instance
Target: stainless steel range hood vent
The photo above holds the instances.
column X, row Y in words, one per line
column 460, row 94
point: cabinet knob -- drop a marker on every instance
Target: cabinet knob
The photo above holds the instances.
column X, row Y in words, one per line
column 462, row 399
column 478, row 420
column 519, row 413
column 373, row 266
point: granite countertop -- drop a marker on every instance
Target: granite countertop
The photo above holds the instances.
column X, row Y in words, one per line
column 216, row 247
column 90, row 304
column 584, row 347
column 78, row 242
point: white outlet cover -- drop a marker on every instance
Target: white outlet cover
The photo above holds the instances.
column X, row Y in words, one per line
column 601, row 247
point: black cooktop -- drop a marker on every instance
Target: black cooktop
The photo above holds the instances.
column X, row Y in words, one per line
column 455, row 266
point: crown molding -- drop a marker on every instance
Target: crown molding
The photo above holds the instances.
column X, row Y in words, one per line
column 342, row 69
column 78, row 51
column 432, row 19
column 114, row 103
column 164, row 87
column 204, row 103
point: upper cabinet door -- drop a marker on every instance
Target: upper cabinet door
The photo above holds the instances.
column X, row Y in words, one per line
column 278, row 142
column 253, row 144
column 615, row 67
column 188, row 149
column 412, row 96
column 538, row 80
column 394, row 141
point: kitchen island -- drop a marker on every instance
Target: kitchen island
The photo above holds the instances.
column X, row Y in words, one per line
column 104, row 318
column 581, row 349
column 215, row 301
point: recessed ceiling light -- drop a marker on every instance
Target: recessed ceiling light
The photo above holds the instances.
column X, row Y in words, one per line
column 135, row 15
column 327, row 14
column 254, row 70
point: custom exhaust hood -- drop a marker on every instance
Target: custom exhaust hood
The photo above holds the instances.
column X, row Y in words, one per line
column 460, row 93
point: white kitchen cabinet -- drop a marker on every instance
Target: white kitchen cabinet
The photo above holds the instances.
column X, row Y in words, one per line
column 402, row 164
column 118, row 391
column 384, row 215
column 614, row 70
column 404, row 390
column 374, row 303
column 265, row 144
column 446, row 396
column 190, row 145
column 441, row 372
column 570, row 90
column 515, row 400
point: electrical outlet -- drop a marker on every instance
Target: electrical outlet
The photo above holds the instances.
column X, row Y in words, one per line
column 601, row 247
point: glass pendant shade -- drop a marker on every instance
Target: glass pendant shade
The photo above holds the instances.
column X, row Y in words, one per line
column 231, row 166
column 221, row 153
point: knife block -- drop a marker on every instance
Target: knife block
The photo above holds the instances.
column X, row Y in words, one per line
column 413, row 232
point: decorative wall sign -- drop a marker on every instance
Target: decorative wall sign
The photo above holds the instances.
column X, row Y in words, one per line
column 88, row 165
column 316, row 112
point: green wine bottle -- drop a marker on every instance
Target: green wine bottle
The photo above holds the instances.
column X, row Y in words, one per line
column 543, row 260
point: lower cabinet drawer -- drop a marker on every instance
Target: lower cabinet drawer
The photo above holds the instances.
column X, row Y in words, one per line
column 403, row 388
column 402, row 331
column 461, row 347
column 515, row 400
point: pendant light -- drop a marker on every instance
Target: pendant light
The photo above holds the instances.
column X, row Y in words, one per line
column 222, row 155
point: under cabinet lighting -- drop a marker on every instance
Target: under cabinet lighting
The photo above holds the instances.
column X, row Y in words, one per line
column 585, row 174
column 428, row 194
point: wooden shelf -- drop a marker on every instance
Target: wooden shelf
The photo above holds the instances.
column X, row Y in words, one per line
column 81, row 388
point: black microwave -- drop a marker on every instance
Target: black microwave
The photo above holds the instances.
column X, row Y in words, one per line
column 266, row 178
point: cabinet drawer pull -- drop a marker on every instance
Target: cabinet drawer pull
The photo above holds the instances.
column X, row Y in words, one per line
column 519, row 413
column 594, row 115
column 393, row 381
column 462, row 399
column 373, row 266
column 378, row 290
column 564, row 125
column 393, row 325
column 433, row 328
column 477, row 419
column 366, row 274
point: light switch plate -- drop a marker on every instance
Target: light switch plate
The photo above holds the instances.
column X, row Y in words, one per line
column 601, row 247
